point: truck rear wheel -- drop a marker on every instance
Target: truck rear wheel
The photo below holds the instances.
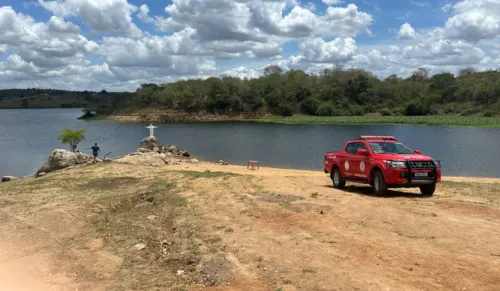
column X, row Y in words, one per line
column 379, row 184
column 428, row 190
column 338, row 180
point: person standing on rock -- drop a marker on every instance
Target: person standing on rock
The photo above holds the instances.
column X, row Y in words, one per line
column 95, row 151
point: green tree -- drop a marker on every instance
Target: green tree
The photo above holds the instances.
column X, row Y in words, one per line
column 71, row 137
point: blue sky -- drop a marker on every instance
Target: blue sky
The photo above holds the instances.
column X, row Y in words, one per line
column 119, row 44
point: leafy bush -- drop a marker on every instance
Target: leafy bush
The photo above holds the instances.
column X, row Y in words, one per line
column 71, row 137
column 386, row 112
column 309, row 106
column 469, row 111
column 286, row 110
column 489, row 113
column 417, row 109
column 325, row 109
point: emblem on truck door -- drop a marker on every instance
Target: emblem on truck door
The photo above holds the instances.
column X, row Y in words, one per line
column 346, row 165
column 362, row 166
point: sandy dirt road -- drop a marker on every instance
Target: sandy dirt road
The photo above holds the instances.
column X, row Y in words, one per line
column 270, row 229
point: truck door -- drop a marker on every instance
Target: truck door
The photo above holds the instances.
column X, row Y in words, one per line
column 346, row 162
column 360, row 163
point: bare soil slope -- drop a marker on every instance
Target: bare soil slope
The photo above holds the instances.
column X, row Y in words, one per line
column 209, row 227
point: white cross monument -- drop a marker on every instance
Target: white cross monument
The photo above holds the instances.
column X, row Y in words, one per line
column 151, row 130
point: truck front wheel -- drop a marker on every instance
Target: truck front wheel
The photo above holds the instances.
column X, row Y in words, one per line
column 428, row 190
column 379, row 184
column 338, row 181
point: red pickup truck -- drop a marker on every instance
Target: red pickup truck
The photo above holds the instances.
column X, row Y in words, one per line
column 382, row 162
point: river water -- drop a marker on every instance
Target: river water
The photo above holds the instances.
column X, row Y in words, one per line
column 28, row 136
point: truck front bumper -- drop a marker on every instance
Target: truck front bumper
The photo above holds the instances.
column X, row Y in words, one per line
column 412, row 178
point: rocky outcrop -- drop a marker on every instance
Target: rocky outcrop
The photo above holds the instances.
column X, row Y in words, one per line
column 60, row 159
column 153, row 159
column 150, row 144
column 153, row 145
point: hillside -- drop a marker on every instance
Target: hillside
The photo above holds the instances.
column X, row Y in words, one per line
column 44, row 98
column 334, row 92
column 191, row 226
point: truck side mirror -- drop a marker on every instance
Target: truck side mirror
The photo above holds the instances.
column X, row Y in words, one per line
column 363, row 153
column 418, row 152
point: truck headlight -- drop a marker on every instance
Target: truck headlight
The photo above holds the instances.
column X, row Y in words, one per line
column 437, row 163
column 396, row 164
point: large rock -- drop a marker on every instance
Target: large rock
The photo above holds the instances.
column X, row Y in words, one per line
column 173, row 149
column 60, row 159
column 151, row 144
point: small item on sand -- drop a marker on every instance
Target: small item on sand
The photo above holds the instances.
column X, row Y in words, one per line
column 253, row 164
column 140, row 246
column 8, row 178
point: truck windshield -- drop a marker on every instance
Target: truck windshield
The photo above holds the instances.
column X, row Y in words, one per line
column 389, row 148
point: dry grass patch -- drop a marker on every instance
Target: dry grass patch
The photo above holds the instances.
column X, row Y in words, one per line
column 160, row 240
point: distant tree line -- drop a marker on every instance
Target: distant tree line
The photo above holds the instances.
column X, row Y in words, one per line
column 334, row 92
column 33, row 92
column 50, row 98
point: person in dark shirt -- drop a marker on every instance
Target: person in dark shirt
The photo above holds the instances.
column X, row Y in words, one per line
column 95, row 151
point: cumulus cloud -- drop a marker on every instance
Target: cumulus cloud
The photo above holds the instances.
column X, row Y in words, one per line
column 109, row 16
column 474, row 20
column 406, row 32
column 57, row 24
column 190, row 38
column 338, row 50
column 44, row 44
column 344, row 22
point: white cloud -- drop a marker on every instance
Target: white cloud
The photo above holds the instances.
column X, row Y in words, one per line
column 474, row 20
column 241, row 72
column 310, row 6
column 338, row 50
column 332, row 2
column 58, row 25
column 101, row 16
column 202, row 33
column 51, row 44
column 144, row 14
column 446, row 8
column 344, row 22
column 3, row 49
column 406, row 32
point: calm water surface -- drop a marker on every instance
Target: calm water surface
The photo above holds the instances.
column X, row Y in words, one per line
column 28, row 136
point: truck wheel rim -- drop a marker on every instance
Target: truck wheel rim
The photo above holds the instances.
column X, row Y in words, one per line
column 336, row 178
column 376, row 183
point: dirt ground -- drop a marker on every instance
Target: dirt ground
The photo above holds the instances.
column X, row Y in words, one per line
column 213, row 227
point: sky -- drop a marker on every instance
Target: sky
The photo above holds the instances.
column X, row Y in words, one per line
column 116, row 45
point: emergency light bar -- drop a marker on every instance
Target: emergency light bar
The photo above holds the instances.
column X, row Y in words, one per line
column 388, row 137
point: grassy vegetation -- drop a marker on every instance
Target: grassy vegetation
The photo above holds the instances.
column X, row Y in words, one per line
column 445, row 120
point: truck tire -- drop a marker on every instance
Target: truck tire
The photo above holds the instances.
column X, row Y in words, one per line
column 379, row 184
column 337, row 179
column 428, row 190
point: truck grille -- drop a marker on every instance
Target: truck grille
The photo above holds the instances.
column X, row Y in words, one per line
column 424, row 165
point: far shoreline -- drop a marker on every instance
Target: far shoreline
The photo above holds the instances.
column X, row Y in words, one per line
column 430, row 120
